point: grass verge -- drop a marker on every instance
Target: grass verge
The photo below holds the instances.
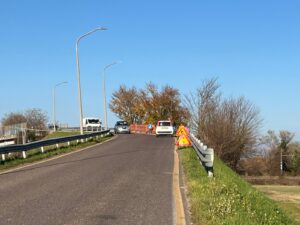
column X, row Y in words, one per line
column 59, row 134
column 50, row 151
column 227, row 199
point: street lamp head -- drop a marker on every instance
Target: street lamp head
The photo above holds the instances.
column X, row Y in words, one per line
column 65, row 82
column 113, row 63
column 88, row 33
column 101, row 28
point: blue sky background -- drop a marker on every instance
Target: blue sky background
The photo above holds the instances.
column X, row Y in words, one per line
column 253, row 47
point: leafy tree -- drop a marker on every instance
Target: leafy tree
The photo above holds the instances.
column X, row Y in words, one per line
column 285, row 140
column 149, row 104
column 292, row 158
column 280, row 147
column 124, row 103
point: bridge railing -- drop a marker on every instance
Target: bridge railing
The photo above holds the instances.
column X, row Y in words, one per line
column 54, row 141
column 205, row 154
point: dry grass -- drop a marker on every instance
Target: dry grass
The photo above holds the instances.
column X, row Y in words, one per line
column 288, row 197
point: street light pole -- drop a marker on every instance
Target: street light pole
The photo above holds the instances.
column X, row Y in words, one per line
column 54, row 107
column 78, row 75
column 104, row 90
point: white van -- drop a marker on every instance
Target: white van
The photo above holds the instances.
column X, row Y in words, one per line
column 91, row 124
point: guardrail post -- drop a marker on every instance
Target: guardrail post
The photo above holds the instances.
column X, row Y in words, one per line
column 3, row 157
column 24, row 154
column 205, row 154
column 42, row 149
column 210, row 158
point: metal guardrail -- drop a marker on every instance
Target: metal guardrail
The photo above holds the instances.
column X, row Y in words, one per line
column 54, row 141
column 205, row 154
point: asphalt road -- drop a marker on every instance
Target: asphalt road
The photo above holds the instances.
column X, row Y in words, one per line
column 125, row 181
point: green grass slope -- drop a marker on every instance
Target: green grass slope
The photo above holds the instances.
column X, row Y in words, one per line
column 226, row 198
column 59, row 134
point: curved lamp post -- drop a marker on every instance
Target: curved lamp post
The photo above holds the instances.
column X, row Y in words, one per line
column 104, row 89
column 54, row 108
column 78, row 74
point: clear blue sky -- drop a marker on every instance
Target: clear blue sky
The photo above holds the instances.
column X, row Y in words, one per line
column 253, row 47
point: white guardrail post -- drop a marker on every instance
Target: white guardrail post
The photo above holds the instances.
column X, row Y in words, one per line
column 205, row 154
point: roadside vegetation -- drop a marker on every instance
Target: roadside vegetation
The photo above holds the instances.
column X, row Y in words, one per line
column 231, row 126
column 227, row 199
column 273, row 149
column 59, row 134
column 35, row 155
column 28, row 126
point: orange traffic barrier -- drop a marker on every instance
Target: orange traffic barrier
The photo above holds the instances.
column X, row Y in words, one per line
column 141, row 129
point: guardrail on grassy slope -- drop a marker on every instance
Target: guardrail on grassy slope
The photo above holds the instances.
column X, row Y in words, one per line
column 54, row 141
column 206, row 155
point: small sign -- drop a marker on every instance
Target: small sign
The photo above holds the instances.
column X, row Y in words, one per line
column 183, row 141
column 182, row 131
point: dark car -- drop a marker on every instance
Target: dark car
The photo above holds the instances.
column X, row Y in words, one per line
column 122, row 127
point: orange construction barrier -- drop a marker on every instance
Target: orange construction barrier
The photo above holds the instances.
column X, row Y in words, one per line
column 141, row 129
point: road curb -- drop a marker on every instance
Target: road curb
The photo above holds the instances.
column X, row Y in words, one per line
column 179, row 208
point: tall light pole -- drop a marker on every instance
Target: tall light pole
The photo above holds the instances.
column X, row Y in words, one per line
column 54, row 108
column 78, row 74
column 104, row 90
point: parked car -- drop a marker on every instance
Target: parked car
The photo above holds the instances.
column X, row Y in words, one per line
column 122, row 127
column 164, row 127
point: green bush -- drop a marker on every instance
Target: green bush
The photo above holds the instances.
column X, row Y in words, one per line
column 226, row 198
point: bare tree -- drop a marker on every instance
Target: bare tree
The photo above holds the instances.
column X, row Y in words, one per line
column 35, row 119
column 230, row 126
column 13, row 118
column 203, row 106
column 237, row 125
